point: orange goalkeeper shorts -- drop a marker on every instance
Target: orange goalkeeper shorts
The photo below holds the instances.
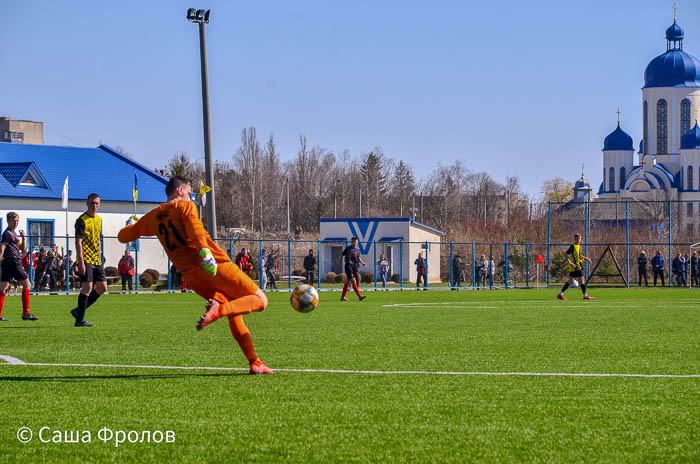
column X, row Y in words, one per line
column 229, row 283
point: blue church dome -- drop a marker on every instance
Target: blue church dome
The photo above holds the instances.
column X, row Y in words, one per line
column 641, row 146
column 618, row 140
column 675, row 68
column 691, row 139
column 674, row 32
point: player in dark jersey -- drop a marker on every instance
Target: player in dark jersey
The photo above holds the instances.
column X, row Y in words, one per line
column 88, row 234
column 353, row 259
column 11, row 250
column 575, row 258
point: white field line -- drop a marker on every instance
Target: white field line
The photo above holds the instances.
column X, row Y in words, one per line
column 524, row 304
column 11, row 360
column 348, row 371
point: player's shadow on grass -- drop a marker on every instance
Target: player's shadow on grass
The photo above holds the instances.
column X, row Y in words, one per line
column 83, row 378
column 34, row 326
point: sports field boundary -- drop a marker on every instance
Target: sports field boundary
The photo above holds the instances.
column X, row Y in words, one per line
column 12, row 361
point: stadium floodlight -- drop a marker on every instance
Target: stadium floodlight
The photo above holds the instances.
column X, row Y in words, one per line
column 201, row 17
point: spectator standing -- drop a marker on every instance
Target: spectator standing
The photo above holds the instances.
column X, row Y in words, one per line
column 243, row 260
column 310, row 266
column 261, row 268
column 695, row 269
column 383, row 268
column 271, row 266
column 457, row 271
column 678, row 268
column 491, row 270
column 421, row 269
column 642, row 263
column 658, row 263
column 127, row 270
column 481, row 271
column 42, row 267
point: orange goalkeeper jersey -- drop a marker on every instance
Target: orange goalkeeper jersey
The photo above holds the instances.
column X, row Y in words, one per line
column 182, row 234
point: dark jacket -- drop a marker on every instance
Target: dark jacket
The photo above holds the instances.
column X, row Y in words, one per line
column 309, row 262
column 642, row 262
column 658, row 263
column 420, row 264
column 678, row 264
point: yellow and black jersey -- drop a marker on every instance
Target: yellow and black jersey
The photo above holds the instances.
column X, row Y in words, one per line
column 89, row 228
column 575, row 252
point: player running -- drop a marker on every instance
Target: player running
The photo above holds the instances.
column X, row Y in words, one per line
column 207, row 269
column 11, row 251
column 353, row 260
column 93, row 280
column 575, row 258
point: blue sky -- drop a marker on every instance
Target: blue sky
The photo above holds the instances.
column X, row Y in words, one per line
column 511, row 88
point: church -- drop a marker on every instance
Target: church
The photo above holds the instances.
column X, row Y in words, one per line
column 668, row 166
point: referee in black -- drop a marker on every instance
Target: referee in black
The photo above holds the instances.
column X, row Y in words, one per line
column 93, row 282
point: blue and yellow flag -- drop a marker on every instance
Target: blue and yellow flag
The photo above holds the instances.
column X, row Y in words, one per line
column 136, row 188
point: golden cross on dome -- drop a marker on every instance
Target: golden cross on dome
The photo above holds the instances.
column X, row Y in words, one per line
column 618, row 115
column 674, row 12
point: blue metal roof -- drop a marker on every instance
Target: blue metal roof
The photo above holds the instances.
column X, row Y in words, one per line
column 674, row 32
column 691, row 139
column 618, row 140
column 14, row 172
column 102, row 170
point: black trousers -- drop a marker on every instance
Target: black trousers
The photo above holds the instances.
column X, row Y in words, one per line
column 310, row 276
column 643, row 273
column 659, row 273
column 127, row 278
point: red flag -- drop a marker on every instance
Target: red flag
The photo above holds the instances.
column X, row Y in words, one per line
column 540, row 259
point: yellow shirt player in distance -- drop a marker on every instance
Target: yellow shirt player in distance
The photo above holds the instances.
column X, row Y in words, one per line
column 207, row 268
column 575, row 258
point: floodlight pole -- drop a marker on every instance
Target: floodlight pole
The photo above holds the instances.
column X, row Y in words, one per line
column 208, row 161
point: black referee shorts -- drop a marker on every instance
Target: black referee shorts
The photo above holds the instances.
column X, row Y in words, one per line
column 11, row 270
column 93, row 273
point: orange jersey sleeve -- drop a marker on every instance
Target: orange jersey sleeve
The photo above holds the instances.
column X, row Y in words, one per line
column 180, row 232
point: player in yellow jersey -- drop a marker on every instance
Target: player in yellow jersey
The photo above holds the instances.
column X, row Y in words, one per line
column 88, row 238
column 575, row 259
column 207, row 269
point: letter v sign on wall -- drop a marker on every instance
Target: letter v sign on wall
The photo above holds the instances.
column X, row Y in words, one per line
column 363, row 230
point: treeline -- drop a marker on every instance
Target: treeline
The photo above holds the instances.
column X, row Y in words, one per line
column 251, row 191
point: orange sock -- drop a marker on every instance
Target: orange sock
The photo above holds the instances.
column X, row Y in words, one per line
column 242, row 335
column 241, row 306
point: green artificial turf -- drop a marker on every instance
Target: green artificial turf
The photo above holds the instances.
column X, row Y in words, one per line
column 229, row 416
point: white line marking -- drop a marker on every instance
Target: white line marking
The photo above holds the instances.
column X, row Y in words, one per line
column 11, row 360
column 348, row 371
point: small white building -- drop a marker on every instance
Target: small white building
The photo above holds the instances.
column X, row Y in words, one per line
column 388, row 236
column 31, row 183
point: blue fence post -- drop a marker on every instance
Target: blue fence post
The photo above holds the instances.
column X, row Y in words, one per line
column 230, row 247
column 473, row 266
column 318, row 260
column 374, row 242
column 549, row 224
column 451, row 265
column 136, row 269
column 585, row 231
column 627, row 219
column 401, row 262
column 289, row 263
column 425, row 280
column 527, row 265
column 670, row 248
column 169, row 276
column 505, row 268
column 490, row 271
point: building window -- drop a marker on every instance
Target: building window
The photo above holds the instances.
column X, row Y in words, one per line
column 623, row 177
column 645, row 138
column 611, row 179
column 14, row 137
column 689, row 179
column 690, row 209
column 685, row 116
column 661, row 127
column 41, row 232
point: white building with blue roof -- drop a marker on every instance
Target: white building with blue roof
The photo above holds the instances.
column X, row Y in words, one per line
column 32, row 178
column 668, row 165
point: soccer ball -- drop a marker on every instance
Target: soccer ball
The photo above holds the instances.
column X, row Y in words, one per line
column 304, row 298
column 574, row 284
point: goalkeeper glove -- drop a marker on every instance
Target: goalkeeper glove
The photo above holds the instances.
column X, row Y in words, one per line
column 208, row 261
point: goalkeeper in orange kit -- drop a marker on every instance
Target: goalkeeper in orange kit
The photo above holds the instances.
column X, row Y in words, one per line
column 206, row 268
